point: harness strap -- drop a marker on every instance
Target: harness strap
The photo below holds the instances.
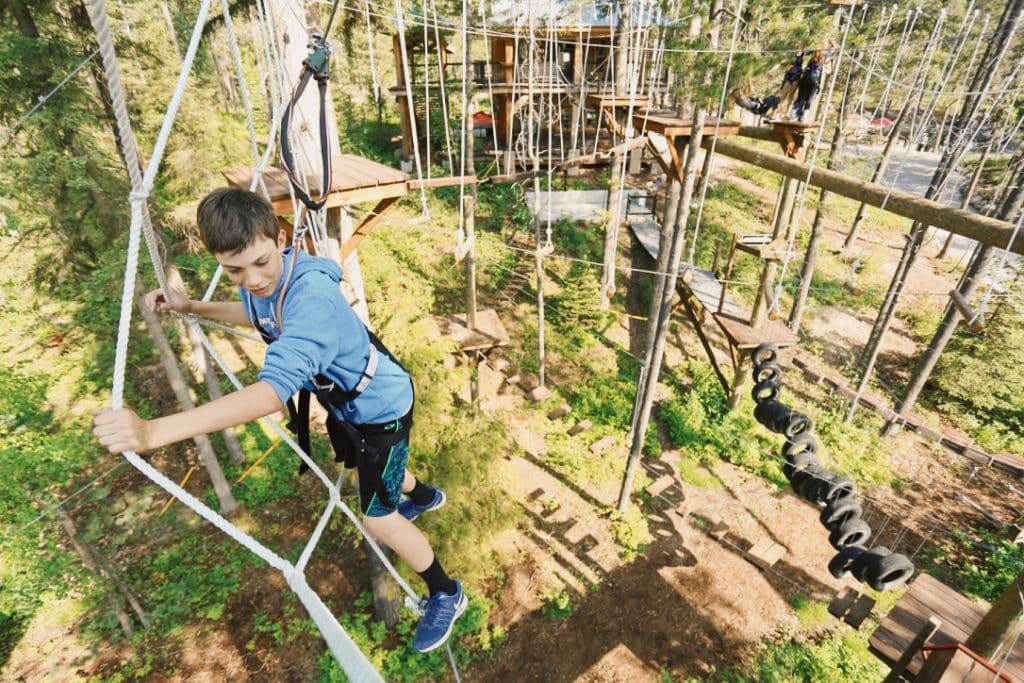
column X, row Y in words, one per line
column 314, row 66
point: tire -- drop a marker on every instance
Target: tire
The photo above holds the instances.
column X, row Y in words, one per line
column 854, row 531
column 797, row 423
column 770, row 414
column 800, row 462
column 765, row 353
column 838, row 510
column 842, row 487
column 888, row 572
column 765, row 391
column 767, row 372
column 839, row 566
column 800, row 476
column 801, row 443
column 815, row 488
column 860, row 566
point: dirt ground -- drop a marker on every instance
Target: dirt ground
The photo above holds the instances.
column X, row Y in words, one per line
column 692, row 602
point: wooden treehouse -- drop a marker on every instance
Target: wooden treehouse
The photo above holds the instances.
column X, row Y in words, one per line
column 550, row 89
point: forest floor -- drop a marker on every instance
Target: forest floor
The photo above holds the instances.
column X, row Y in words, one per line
column 691, row 602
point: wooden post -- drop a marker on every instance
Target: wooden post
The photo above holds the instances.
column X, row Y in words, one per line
column 1000, row 624
column 996, row 233
column 760, row 311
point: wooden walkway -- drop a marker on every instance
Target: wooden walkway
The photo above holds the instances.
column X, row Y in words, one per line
column 929, row 597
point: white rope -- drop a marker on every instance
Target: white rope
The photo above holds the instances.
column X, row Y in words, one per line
column 824, row 102
column 714, row 138
column 407, row 77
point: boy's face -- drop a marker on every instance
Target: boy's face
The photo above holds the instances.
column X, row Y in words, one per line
column 256, row 268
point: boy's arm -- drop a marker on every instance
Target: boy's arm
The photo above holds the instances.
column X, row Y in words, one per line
column 230, row 312
column 123, row 430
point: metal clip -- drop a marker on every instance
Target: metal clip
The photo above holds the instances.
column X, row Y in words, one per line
column 319, row 61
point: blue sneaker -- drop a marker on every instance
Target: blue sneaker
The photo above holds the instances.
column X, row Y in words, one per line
column 410, row 510
column 439, row 615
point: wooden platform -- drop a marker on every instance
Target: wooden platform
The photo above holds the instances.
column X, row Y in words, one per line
column 353, row 179
column 670, row 126
column 743, row 336
column 489, row 332
column 925, row 598
column 599, row 100
column 765, row 553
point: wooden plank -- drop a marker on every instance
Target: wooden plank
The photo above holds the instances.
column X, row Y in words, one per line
column 672, row 125
column 708, row 290
column 743, row 336
column 348, row 172
column 599, row 100
column 842, row 601
column 859, row 611
column 925, row 598
column 446, row 181
column 765, row 553
column 488, row 334
column 660, row 484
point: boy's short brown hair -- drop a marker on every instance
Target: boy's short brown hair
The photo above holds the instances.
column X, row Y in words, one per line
column 230, row 220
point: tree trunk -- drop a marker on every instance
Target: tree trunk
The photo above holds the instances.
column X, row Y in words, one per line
column 984, row 229
column 879, row 172
column 660, row 312
column 228, row 504
column 1011, row 205
column 236, row 456
column 93, row 560
column 966, row 122
column 617, row 170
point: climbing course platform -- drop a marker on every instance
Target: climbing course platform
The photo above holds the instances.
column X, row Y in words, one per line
column 790, row 134
column 928, row 597
column 668, row 135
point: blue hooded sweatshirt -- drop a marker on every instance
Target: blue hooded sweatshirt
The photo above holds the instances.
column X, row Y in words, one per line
column 323, row 335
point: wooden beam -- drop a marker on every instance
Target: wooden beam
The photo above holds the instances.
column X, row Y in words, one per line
column 368, row 224
column 984, row 229
column 447, row 181
column 283, row 207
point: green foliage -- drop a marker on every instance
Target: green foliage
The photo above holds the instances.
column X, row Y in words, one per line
column 401, row 663
column 575, row 306
column 700, row 423
column 979, row 379
column 810, row 612
column 981, row 567
column 557, row 604
column 47, row 455
column 631, row 531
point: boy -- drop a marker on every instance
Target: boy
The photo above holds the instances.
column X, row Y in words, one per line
column 315, row 339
